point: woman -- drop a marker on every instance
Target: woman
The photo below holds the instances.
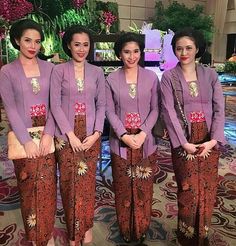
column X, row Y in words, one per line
column 24, row 88
column 193, row 109
column 132, row 110
column 78, row 106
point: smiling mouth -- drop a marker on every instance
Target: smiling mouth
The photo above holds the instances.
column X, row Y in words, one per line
column 31, row 52
column 131, row 62
column 80, row 55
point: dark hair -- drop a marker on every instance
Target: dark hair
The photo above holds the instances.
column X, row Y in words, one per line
column 18, row 28
column 196, row 36
column 125, row 38
column 68, row 36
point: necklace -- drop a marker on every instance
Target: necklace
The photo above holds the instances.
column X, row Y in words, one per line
column 35, row 85
column 193, row 89
column 132, row 90
column 80, row 84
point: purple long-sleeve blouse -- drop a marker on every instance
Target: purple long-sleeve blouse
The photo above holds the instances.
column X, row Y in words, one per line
column 18, row 97
column 64, row 95
column 147, row 107
column 210, row 101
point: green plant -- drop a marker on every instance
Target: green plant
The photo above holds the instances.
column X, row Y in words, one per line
column 71, row 17
column 230, row 67
column 53, row 27
column 12, row 52
column 56, row 16
column 220, row 68
column 134, row 28
column 51, row 8
column 177, row 15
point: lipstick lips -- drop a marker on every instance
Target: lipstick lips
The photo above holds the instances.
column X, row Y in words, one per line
column 32, row 52
column 131, row 62
column 80, row 55
column 183, row 58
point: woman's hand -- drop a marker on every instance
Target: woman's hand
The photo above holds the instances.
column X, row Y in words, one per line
column 140, row 138
column 130, row 141
column 190, row 148
column 75, row 143
column 31, row 149
column 90, row 141
column 45, row 144
column 206, row 147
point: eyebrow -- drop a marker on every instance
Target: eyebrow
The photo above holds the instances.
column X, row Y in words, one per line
column 131, row 50
column 76, row 42
column 31, row 38
column 179, row 46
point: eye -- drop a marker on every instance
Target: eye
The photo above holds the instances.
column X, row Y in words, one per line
column 38, row 42
column 189, row 48
column 136, row 51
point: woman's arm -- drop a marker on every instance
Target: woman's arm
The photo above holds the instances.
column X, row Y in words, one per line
column 115, row 121
column 150, row 121
column 47, row 138
column 218, row 107
column 218, row 117
column 8, row 98
column 50, row 124
column 55, row 100
column 58, row 114
column 174, row 128
column 113, row 118
column 100, row 103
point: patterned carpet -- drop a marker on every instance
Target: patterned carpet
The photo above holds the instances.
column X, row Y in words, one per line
column 164, row 214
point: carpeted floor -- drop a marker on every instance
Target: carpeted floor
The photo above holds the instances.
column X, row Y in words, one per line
column 164, row 214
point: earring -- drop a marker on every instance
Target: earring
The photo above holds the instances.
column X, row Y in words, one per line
column 17, row 42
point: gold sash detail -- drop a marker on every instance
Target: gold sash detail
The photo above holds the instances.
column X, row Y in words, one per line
column 35, row 85
column 80, row 84
column 193, row 89
column 132, row 90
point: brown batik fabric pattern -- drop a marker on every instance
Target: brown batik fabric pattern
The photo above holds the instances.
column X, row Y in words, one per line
column 36, row 181
column 197, row 179
column 77, row 182
column 133, row 186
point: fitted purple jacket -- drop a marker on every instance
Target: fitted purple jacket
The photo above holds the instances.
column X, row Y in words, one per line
column 64, row 95
column 17, row 97
column 210, row 101
column 147, row 85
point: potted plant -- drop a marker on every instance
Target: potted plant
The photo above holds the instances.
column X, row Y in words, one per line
column 230, row 67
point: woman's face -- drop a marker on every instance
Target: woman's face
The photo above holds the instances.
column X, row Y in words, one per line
column 130, row 54
column 29, row 43
column 185, row 50
column 79, row 46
